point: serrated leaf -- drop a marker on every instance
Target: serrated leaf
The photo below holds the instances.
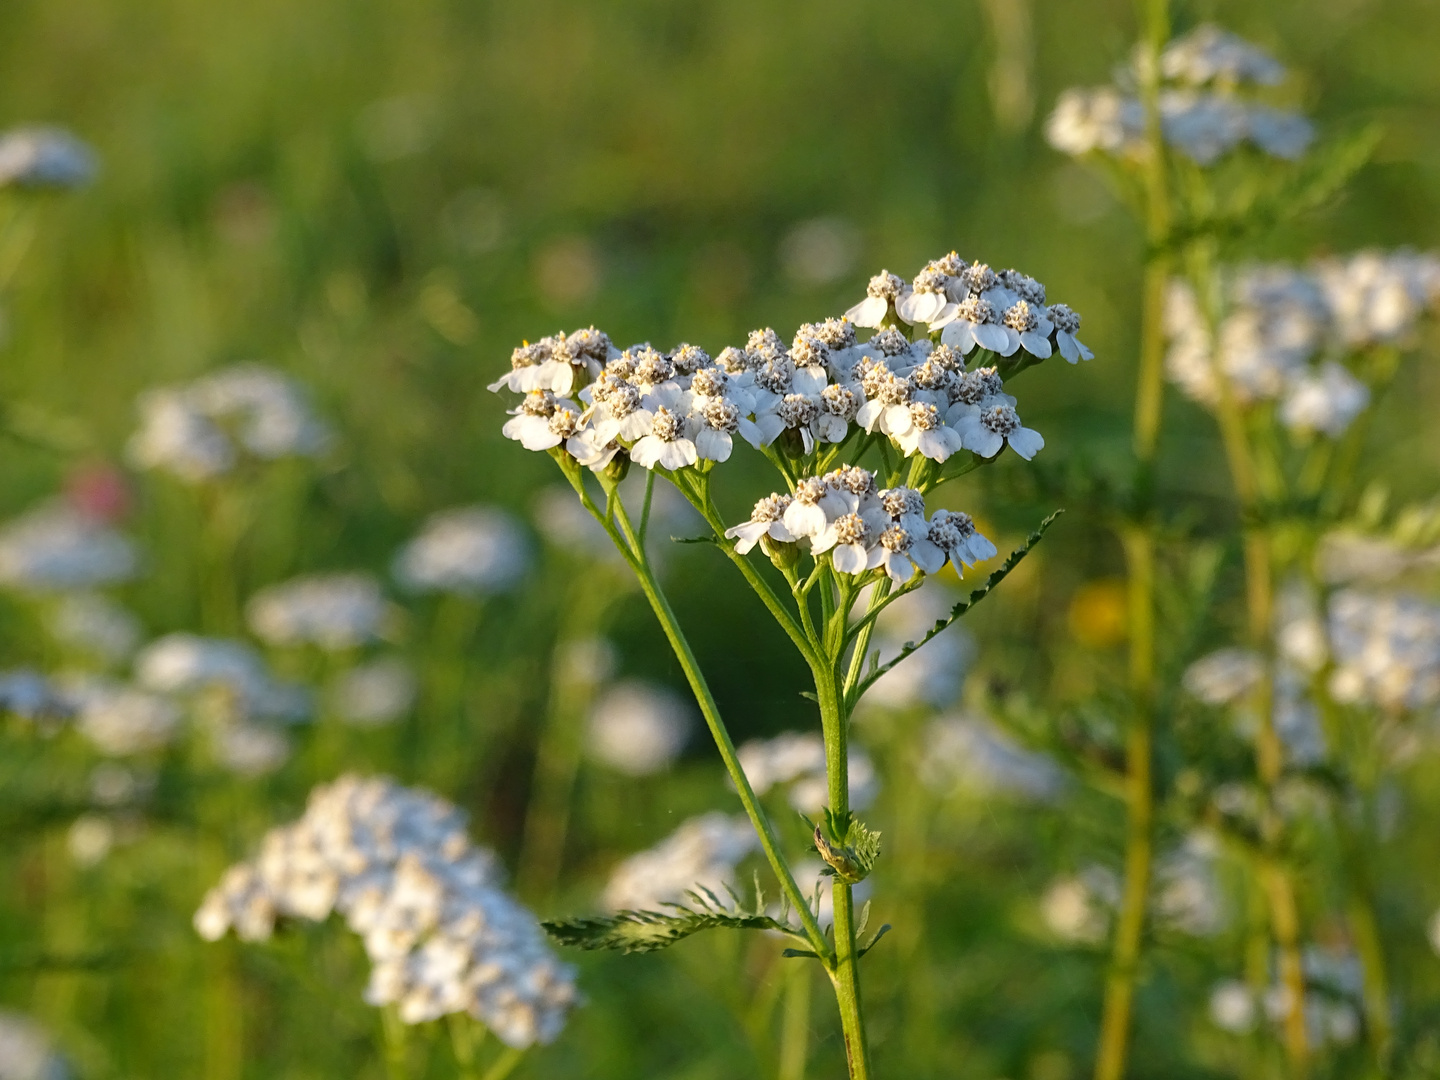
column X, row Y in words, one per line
column 649, row 931
column 871, row 943
column 878, row 670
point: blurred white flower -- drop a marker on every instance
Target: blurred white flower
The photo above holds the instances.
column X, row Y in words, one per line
column 200, row 430
column 701, row 853
column 45, row 157
column 94, row 624
column 251, row 749
column 1326, row 400
column 1188, row 895
column 375, row 693
column 796, row 761
column 472, row 551
column 31, row 696
column 26, row 1052
column 55, row 548
column 970, row 753
column 1386, row 650
column 333, row 611
column 1380, row 296
column 819, row 251
column 441, row 934
column 1078, row 907
column 1209, row 54
column 1233, row 1007
column 89, row 840
column 589, row 661
column 1225, row 676
column 639, row 728
column 122, row 720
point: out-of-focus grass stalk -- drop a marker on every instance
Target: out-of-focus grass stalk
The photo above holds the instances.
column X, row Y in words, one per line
column 562, row 743
column 224, row 1031
column 17, row 232
column 395, row 1035
column 795, row 1023
column 224, row 521
column 1138, row 538
column 504, row 1065
column 1254, row 486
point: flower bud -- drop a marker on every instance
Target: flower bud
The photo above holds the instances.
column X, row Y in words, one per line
column 782, row 553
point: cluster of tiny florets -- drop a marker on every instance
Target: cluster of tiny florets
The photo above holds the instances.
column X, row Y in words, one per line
column 683, row 409
column 442, row 935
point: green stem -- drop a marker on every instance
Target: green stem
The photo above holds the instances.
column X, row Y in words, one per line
column 701, row 689
column 504, row 1065
column 845, row 975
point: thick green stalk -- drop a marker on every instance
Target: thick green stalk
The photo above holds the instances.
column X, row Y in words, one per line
column 1139, row 541
column 845, row 975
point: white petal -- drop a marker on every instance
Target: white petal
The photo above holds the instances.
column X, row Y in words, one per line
column 1068, row 347
column 770, row 426
column 869, row 312
column 869, row 413
column 959, row 335
column 944, row 317
column 646, row 451
column 750, row 433
column 896, row 420
column 714, row 445
column 899, row 567
column 638, row 423
column 929, row 557
column 981, row 548
column 805, row 519
column 980, row 439
column 809, row 381
column 677, row 454
column 1026, row 442
column 778, row 531
column 1036, row 344
column 849, row 559
column 992, row 337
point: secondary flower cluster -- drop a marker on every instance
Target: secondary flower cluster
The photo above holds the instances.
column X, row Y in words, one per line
column 203, row 430
column 442, row 935
column 1201, row 113
column 701, row 854
column 1285, row 329
column 795, row 761
column 865, row 527
column 677, row 409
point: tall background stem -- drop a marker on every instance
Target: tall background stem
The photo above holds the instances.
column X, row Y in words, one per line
column 1138, row 536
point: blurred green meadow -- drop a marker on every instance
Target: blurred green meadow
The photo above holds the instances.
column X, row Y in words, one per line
column 381, row 199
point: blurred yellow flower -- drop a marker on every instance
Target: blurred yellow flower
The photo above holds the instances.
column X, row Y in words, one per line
column 1097, row 613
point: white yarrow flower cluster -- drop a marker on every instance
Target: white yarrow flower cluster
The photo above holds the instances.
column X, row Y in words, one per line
column 1284, row 331
column 44, row 157
column 684, row 409
column 1386, row 650
column 795, row 761
column 638, row 728
column 331, row 611
column 864, row 527
column 1333, row 1001
column 1206, row 107
column 26, row 1051
column 441, row 933
column 471, row 551
column 972, row 755
column 204, row 429
column 701, row 854
column 55, row 548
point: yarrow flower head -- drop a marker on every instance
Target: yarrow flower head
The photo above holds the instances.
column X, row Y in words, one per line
column 441, row 934
column 44, row 157
column 470, row 551
column 1203, row 112
column 203, row 430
